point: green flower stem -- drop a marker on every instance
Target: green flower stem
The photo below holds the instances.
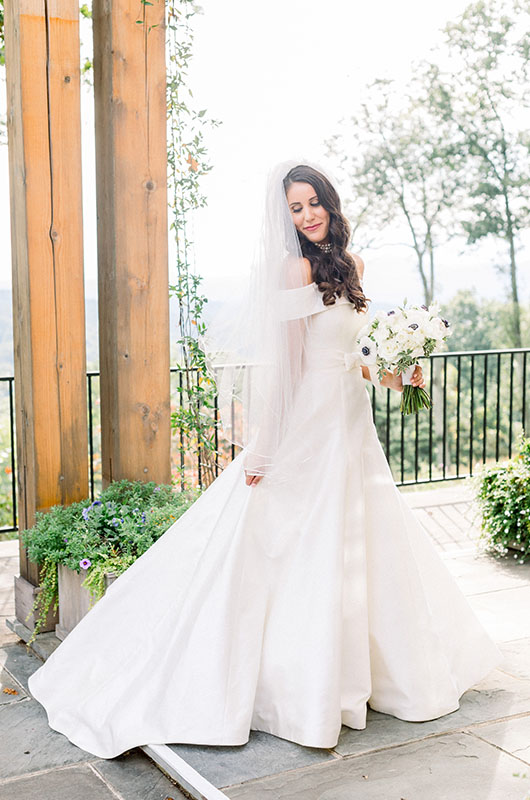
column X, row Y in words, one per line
column 413, row 399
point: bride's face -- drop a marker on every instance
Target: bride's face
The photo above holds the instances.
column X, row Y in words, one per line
column 309, row 216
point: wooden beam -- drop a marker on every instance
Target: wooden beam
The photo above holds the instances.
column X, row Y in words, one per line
column 131, row 170
column 44, row 130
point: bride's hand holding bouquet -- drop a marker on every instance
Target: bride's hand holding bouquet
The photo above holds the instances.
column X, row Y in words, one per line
column 393, row 342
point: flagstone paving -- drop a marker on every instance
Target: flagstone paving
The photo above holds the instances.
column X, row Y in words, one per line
column 479, row 752
column 39, row 763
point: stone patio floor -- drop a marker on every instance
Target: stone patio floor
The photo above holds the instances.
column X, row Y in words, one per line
column 480, row 752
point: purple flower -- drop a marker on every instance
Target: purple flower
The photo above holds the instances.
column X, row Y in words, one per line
column 65, row 539
column 97, row 503
column 86, row 514
column 85, row 563
column 144, row 517
column 115, row 521
column 157, row 489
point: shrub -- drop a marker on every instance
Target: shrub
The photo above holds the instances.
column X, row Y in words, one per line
column 504, row 501
column 106, row 535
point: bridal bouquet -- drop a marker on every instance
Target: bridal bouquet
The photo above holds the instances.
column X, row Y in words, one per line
column 395, row 339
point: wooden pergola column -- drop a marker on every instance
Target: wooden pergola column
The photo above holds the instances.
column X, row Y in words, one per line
column 43, row 87
column 131, row 173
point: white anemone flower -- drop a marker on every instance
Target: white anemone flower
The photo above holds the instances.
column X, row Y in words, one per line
column 368, row 349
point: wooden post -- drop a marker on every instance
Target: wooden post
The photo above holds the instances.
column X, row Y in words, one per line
column 131, row 171
column 44, row 129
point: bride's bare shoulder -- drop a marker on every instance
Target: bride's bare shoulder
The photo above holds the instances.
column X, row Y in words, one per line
column 297, row 272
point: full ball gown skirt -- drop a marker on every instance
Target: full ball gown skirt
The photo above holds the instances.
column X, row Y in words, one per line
column 283, row 607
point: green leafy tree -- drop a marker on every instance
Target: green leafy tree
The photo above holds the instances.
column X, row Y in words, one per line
column 479, row 324
column 401, row 170
column 482, row 98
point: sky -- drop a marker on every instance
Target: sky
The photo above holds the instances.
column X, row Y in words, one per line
column 279, row 76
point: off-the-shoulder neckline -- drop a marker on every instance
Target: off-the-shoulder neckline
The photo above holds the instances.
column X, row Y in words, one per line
column 297, row 288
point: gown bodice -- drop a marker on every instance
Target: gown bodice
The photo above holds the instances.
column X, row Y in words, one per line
column 335, row 327
column 332, row 330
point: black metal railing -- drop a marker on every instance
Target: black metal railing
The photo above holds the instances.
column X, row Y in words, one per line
column 480, row 408
column 8, row 474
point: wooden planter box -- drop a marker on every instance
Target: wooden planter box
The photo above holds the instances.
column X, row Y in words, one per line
column 516, row 546
column 25, row 596
column 74, row 599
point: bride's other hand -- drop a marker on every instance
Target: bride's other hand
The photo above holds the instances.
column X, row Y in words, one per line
column 251, row 480
column 417, row 377
column 391, row 380
column 394, row 381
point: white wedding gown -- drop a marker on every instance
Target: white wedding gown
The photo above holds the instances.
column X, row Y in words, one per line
column 283, row 607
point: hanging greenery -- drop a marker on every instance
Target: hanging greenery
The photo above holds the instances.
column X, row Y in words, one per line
column 194, row 418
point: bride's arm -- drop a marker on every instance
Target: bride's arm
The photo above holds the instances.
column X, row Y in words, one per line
column 294, row 342
column 367, row 375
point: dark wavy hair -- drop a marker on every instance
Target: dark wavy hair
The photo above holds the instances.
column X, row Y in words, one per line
column 335, row 273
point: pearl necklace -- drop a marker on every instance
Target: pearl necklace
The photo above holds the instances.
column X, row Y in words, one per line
column 326, row 248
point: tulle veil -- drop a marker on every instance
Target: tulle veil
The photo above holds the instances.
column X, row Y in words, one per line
column 255, row 354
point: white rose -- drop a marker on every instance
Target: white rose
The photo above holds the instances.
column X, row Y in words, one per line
column 382, row 332
column 389, row 350
column 438, row 329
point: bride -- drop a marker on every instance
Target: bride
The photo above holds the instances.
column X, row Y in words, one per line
column 299, row 589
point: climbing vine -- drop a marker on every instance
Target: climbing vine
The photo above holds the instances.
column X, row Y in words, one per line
column 194, row 417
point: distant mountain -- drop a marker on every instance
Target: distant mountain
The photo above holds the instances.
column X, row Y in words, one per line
column 91, row 311
column 6, row 333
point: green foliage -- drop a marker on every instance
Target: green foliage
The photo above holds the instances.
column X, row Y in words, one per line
column 480, row 324
column 503, row 496
column 103, row 536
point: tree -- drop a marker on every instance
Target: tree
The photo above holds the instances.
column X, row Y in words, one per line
column 482, row 99
column 480, row 324
column 401, row 169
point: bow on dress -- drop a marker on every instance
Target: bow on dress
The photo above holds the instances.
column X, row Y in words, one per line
column 353, row 359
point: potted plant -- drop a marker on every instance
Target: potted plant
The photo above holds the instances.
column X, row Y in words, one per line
column 83, row 547
column 503, row 498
